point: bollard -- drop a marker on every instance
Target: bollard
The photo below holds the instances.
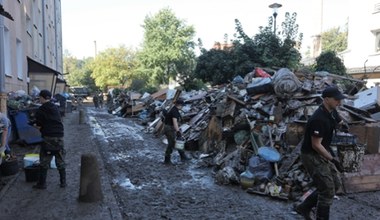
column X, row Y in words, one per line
column 81, row 116
column 90, row 187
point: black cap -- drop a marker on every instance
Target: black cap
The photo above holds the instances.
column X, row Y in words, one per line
column 46, row 94
column 333, row 92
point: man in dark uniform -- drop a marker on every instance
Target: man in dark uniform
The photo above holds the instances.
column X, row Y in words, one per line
column 171, row 131
column 318, row 158
column 48, row 120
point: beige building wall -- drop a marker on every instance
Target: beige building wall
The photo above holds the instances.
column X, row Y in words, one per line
column 36, row 32
column 363, row 51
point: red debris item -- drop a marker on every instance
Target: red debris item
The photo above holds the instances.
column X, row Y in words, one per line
column 261, row 73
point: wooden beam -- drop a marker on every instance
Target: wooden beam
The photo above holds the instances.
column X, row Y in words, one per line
column 236, row 100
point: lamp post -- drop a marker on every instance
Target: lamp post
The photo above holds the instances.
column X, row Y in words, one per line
column 275, row 7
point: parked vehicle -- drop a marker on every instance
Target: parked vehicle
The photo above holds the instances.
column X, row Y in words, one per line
column 79, row 93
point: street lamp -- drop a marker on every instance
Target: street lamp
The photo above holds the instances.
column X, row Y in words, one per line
column 275, row 6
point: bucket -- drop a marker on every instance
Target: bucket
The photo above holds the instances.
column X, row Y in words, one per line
column 34, row 159
column 31, row 159
column 9, row 167
column 31, row 173
column 179, row 144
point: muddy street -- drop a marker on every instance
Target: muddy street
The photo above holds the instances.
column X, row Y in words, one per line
column 145, row 188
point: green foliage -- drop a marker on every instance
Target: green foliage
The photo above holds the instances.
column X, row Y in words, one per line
column 330, row 62
column 114, row 67
column 78, row 72
column 334, row 40
column 167, row 47
column 265, row 49
column 215, row 66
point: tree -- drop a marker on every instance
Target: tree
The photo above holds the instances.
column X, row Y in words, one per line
column 114, row 67
column 167, row 48
column 217, row 62
column 334, row 40
column 330, row 62
column 265, row 49
column 78, row 72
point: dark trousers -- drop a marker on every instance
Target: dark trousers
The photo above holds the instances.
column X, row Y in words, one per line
column 325, row 177
column 170, row 134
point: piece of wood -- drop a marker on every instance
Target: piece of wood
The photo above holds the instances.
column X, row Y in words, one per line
column 368, row 179
column 194, row 120
column 291, row 158
column 229, row 109
column 236, row 100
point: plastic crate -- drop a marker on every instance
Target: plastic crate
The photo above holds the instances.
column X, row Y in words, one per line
column 344, row 139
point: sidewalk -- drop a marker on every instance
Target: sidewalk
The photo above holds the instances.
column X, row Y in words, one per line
column 18, row 200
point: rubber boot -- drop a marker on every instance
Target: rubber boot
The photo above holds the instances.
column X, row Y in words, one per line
column 183, row 156
column 167, row 160
column 307, row 205
column 323, row 212
column 41, row 183
column 62, row 178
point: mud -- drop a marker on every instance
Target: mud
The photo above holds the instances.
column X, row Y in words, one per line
column 145, row 188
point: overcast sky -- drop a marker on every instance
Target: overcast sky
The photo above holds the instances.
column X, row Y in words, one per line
column 113, row 23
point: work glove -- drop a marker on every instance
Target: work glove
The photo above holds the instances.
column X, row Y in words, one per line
column 344, row 127
column 179, row 134
column 337, row 165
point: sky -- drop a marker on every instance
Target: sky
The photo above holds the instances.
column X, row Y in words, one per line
column 91, row 26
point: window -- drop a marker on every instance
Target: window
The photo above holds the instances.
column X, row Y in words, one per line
column 377, row 8
column 19, row 57
column 376, row 34
column 7, row 52
column 29, row 25
column 40, row 47
column 35, row 42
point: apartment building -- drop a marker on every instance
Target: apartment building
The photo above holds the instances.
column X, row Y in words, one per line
column 362, row 57
column 30, row 46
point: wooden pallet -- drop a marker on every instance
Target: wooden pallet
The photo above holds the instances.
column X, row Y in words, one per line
column 368, row 179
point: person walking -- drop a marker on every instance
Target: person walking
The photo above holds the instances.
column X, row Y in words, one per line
column 95, row 99
column 6, row 127
column 101, row 99
column 49, row 122
column 318, row 158
column 172, row 130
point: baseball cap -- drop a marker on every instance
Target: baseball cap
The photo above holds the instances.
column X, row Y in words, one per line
column 46, row 94
column 333, row 92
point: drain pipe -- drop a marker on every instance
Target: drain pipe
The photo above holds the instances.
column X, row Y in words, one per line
column 3, row 94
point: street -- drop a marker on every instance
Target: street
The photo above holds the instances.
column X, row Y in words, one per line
column 145, row 188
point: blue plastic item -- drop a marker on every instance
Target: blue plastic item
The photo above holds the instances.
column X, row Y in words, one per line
column 269, row 153
column 26, row 132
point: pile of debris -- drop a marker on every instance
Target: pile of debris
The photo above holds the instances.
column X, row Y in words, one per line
column 251, row 130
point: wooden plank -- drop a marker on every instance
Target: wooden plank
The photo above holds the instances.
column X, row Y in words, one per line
column 161, row 93
column 229, row 109
column 362, row 187
column 291, row 158
column 236, row 100
column 367, row 179
column 364, row 179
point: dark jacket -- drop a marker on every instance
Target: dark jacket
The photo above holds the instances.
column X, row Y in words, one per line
column 49, row 119
column 321, row 124
column 173, row 113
